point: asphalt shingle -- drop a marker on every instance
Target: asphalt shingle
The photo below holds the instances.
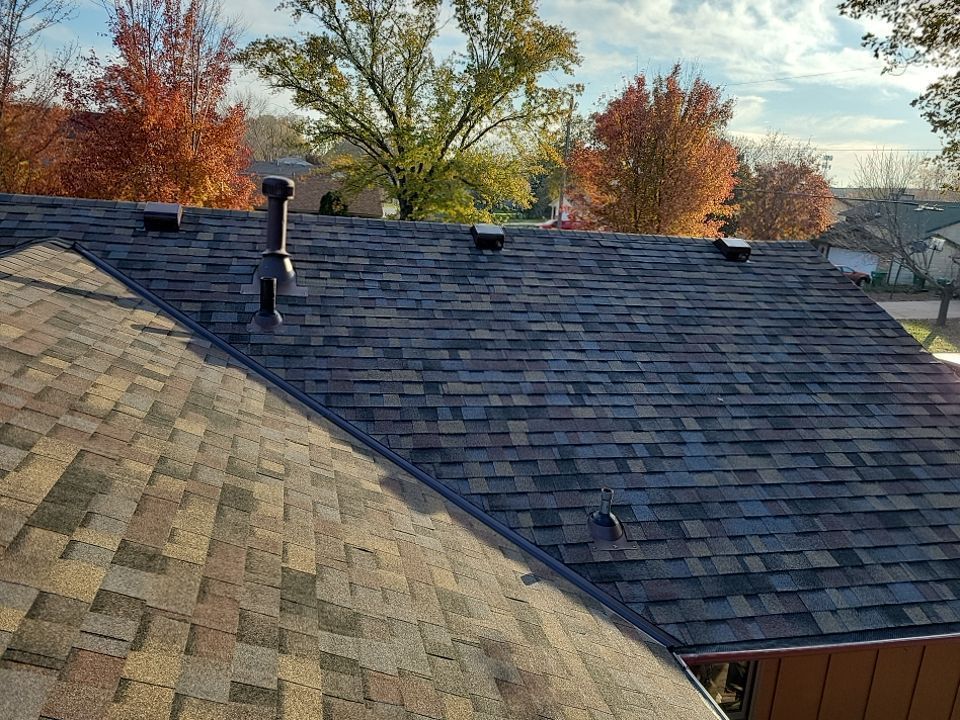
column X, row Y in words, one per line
column 767, row 428
column 182, row 541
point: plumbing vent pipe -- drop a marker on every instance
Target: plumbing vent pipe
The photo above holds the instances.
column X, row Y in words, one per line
column 604, row 525
column 267, row 317
column 276, row 262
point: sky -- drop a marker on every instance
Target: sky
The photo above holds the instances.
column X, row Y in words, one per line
column 792, row 66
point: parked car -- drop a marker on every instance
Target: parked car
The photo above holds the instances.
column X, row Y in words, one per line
column 568, row 224
column 855, row 276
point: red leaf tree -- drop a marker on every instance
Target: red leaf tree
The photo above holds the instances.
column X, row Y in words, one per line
column 151, row 125
column 656, row 161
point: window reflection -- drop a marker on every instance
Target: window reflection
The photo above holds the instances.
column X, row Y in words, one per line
column 728, row 684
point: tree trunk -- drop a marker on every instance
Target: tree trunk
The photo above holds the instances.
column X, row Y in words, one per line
column 406, row 208
column 946, row 294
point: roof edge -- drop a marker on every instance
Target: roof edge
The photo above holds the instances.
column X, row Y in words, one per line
column 694, row 658
column 652, row 631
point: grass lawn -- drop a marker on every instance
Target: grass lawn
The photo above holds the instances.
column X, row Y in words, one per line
column 934, row 339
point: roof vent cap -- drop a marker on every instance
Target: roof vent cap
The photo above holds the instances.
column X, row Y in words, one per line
column 164, row 217
column 733, row 249
column 487, row 236
column 275, row 186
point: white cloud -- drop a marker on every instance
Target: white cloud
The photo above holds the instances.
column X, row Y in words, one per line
column 745, row 40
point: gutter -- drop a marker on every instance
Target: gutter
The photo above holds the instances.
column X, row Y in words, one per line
column 739, row 655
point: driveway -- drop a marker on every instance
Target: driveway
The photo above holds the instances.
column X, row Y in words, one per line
column 919, row 309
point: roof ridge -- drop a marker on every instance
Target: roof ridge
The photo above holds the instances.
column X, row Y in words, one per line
column 655, row 633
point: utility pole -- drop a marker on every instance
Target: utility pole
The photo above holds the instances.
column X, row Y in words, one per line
column 566, row 160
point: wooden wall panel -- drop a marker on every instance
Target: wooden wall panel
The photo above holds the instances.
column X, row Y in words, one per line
column 893, row 683
column 937, row 683
column 848, row 685
column 799, row 687
column 764, row 687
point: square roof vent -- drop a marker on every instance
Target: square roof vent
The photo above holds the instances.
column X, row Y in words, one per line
column 164, row 217
column 733, row 249
column 487, row 236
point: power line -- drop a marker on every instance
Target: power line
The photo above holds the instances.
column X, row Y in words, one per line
column 875, row 149
column 798, row 77
column 925, row 204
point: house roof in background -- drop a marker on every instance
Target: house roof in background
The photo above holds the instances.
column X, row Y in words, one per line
column 785, row 456
column 313, row 184
column 178, row 538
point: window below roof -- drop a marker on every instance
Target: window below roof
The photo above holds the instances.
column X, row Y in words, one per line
column 730, row 684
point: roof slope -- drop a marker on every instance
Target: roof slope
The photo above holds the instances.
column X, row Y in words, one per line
column 178, row 540
column 785, row 455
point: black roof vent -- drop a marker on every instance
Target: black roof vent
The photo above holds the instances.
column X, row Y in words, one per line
column 487, row 236
column 604, row 525
column 733, row 249
column 267, row 318
column 275, row 261
column 164, row 217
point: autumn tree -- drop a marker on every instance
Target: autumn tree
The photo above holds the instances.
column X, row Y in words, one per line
column 445, row 137
column 781, row 192
column 925, row 33
column 656, row 160
column 31, row 116
column 152, row 125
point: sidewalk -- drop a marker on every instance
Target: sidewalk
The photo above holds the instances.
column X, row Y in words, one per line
column 919, row 309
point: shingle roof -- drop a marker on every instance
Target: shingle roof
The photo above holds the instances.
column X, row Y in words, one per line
column 784, row 454
column 179, row 540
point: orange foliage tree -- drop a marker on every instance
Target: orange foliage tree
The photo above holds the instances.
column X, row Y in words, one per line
column 151, row 125
column 32, row 141
column 656, row 161
column 784, row 200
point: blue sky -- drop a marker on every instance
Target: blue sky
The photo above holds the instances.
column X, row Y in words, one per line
column 848, row 108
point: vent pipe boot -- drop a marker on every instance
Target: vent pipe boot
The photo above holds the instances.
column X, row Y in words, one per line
column 267, row 317
column 276, row 261
column 604, row 525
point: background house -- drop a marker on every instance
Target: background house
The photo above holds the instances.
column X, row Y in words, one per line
column 313, row 184
column 875, row 235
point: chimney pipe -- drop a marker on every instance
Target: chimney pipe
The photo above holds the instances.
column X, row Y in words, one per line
column 276, row 261
column 267, row 317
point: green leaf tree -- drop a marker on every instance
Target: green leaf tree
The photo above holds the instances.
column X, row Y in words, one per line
column 921, row 32
column 446, row 138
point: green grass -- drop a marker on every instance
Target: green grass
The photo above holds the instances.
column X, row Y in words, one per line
column 934, row 339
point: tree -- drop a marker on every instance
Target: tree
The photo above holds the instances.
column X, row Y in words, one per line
column 447, row 138
column 656, row 161
column 271, row 137
column 31, row 118
column 782, row 193
column 151, row 122
column 921, row 32
column 332, row 204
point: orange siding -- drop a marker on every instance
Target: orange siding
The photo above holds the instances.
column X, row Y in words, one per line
column 937, row 683
column 799, row 687
column 893, row 683
column 765, row 685
column 848, row 685
column 911, row 682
